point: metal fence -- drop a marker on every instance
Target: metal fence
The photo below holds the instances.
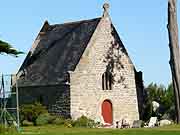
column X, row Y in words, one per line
column 9, row 101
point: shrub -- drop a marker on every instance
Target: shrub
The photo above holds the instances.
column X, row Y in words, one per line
column 27, row 123
column 83, row 121
column 30, row 112
column 59, row 121
column 44, row 119
column 68, row 123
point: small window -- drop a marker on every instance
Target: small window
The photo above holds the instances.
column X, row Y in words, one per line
column 107, row 81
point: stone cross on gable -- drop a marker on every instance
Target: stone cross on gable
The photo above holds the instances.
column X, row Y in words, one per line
column 106, row 7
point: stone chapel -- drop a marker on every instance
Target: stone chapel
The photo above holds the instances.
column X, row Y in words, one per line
column 82, row 68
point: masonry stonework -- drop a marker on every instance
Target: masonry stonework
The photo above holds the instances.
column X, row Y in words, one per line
column 86, row 92
column 65, row 69
column 55, row 98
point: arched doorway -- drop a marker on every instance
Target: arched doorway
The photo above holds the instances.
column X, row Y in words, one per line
column 107, row 111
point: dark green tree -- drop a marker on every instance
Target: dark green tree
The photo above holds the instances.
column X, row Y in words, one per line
column 168, row 102
column 6, row 48
column 164, row 96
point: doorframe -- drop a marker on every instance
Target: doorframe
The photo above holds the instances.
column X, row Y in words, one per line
column 111, row 108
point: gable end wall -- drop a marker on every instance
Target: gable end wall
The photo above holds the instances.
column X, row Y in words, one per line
column 86, row 91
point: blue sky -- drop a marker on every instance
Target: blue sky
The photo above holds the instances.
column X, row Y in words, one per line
column 141, row 25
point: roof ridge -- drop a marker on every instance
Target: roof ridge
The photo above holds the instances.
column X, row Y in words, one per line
column 74, row 22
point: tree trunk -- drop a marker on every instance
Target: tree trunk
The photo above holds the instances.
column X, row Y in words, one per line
column 174, row 53
column 176, row 93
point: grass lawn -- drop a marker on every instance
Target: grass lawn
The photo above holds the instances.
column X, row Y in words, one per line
column 57, row 130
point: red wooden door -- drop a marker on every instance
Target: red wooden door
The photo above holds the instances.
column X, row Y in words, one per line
column 107, row 111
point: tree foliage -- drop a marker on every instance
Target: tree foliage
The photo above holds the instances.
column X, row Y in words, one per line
column 30, row 112
column 6, row 48
column 164, row 96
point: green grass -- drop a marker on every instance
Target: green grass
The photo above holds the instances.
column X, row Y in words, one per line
column 57, row 130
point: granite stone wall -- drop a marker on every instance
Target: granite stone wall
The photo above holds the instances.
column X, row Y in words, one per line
column 56, row 97
column 84, row 95
column 104, row 52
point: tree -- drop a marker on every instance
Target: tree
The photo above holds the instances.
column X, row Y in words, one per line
column 174, row 53
column 164, row 96
column 8, row 49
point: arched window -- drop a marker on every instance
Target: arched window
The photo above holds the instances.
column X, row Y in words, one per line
column 107, row 81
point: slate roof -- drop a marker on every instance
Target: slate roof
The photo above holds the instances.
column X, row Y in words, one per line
column 59, row 51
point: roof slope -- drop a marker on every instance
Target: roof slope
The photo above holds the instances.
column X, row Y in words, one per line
column 58, row 51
